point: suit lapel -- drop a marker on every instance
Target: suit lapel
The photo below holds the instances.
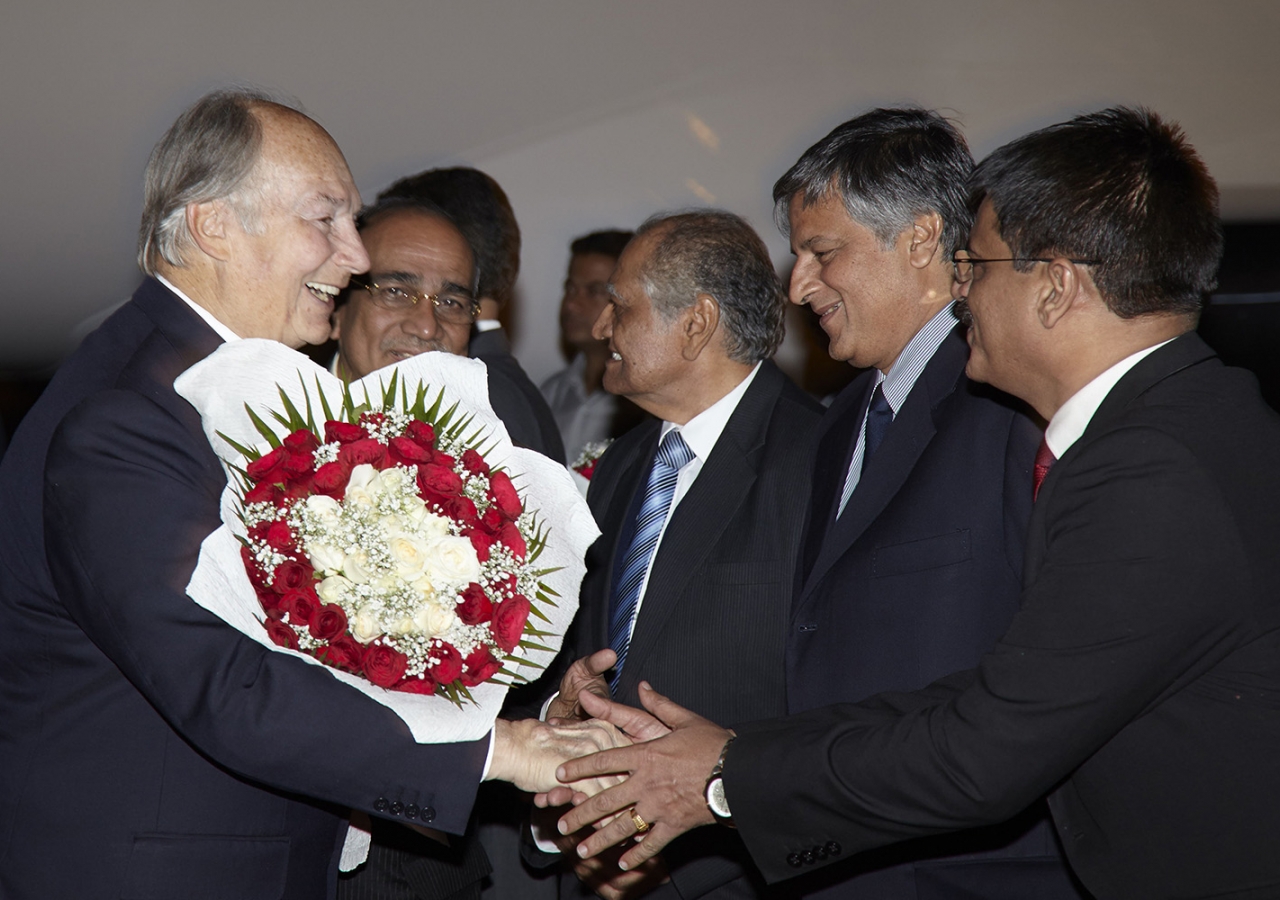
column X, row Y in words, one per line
column 703, row 514
column 883, row 476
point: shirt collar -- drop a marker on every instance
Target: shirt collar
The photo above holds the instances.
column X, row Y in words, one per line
column 222, row 330
column 902, row 376
column 703, row 430
column 1073, row 417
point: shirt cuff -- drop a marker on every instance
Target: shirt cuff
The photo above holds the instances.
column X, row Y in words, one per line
column 488, row 759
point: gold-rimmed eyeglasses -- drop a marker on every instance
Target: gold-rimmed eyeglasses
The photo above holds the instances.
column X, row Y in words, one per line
column 962, row 266
column 453, row 306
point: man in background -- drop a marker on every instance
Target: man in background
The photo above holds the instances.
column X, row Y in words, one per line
column 585, row 412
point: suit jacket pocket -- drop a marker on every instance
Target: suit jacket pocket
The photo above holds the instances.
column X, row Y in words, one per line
column 926, row 553
column 206, row 867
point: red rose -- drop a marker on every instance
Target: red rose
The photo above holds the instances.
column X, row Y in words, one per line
column 331, row 479
column 482, row 542
column 344, row 652
column 384, row 665
column 508, row 621
column 474, row 463
column 279, row 536
column 416, row 686
column 504, row 586
column 292, row 575
column 476, row 607
column 448, row 666
column 421, row 434
column 492, row 521
column 505, row 496
column 298, row 464
column 436, row 478
column 301, row 441
column 263, row 492
column 480, row 667
column 267, row 465
column 342, row 432
column 372, row 420
column 327, row 622
column 281, row 634
column 301, row 608
column 512, row 537
column 410, row 451
column 256, row 576
column 464, row 510
column 589, row 469
column 367, row 451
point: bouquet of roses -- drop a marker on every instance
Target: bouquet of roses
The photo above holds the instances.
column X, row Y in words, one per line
column 377, row 529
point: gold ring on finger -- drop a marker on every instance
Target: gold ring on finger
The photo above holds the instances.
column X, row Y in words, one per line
column 641, row 825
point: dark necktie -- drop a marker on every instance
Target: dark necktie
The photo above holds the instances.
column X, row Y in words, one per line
column 1044, row 462
column 671, row 457
column 879, row 418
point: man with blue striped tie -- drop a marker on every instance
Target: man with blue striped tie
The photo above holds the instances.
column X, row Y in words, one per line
column 701, row 510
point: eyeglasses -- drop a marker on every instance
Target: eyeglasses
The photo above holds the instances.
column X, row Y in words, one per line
column 454, row 308
column 962, row 266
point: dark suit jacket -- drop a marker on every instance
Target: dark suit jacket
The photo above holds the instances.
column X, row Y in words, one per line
column 919, row 578
column 1139, row 682
column 516, row 400
column 148, row 749
column 710, row 630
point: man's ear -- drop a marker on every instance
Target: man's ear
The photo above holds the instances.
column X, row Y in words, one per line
column 1061, row 291
column 207, row 224
column 698, row 325
column 925, row 236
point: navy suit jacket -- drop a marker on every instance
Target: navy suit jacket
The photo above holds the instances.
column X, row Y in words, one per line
column 1139, row 682
column 710, row 630
column 917, row 579
column 147, row 748
column 516, row 399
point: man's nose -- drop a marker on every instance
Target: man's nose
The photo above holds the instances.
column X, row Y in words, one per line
column 350, row 252
column 602, row 329
column 804, row 281
column 420, row 321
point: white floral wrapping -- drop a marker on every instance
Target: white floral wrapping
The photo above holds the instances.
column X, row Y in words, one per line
column 254, row 372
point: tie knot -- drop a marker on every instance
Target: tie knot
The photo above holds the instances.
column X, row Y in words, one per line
column 674, row 452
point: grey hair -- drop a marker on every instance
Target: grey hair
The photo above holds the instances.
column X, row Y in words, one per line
column 888, row 166
column 717, row 253
column 207, row 154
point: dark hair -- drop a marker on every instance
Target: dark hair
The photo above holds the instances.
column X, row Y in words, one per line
column 888, row 166
column 207, row 154
column 606, row 243
column 1120, row 186
column 717, row 253
column 479, row 207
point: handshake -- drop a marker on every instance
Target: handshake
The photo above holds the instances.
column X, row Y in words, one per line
column 632, row 776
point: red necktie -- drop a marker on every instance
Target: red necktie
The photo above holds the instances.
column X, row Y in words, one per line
column 1044, row 461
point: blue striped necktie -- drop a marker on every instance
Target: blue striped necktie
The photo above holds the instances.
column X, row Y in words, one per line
column 879, row 418
column 671, row 457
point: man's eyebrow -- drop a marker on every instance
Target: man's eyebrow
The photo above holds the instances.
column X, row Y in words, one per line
column 452, row 287
column 407, row 277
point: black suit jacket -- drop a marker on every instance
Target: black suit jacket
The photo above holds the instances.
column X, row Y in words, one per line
column 147, row 747
column 711, row 626
column 516, row 400
column 919, row 578
column 1139, row 682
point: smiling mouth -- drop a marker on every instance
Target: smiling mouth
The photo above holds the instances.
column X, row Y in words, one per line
column 824, row 314
column 325, row 293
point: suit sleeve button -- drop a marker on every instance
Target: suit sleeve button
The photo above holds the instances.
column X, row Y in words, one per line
column 380, row 804
column 820, row 851
column 808, row 857
column 411, row 811
column 794, row 860
column 428, row 813
column 395, row 808
column 832, row 848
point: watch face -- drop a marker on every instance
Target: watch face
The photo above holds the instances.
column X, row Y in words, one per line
column 716, row 798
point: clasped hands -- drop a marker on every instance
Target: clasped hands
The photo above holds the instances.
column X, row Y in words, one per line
column 654, row 776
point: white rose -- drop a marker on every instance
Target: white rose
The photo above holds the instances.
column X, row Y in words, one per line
column 406, row 626
column 366, row 626
column 424, row 587
column 432, row 526
column 393, row 479
column 334, row 589
column 356, row 567
column 363, row 487
column 408, row 554
column 452, row 559
column 391, row 523
column 434, row 619
column 324, row 510
column 325, row 557
column 415, row 510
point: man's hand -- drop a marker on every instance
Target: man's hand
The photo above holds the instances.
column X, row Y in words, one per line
column 665, row 789
column 602, row 875
column 585, row 675
column 526, row 753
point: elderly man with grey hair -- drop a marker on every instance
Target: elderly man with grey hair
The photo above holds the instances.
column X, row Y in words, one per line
column 701, row 510
column 150, row 749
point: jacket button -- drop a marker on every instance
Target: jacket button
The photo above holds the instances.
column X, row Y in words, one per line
column 395, row 808
column 832, row 848
column 794, row 860
column 428, row 813
column 411, row 811
column 380, row 804
column 820, row 851
column 808, row 857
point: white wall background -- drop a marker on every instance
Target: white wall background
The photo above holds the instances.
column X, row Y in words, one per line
column 590, row 114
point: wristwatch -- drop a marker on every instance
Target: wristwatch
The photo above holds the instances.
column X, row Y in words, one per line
column 716, row 800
